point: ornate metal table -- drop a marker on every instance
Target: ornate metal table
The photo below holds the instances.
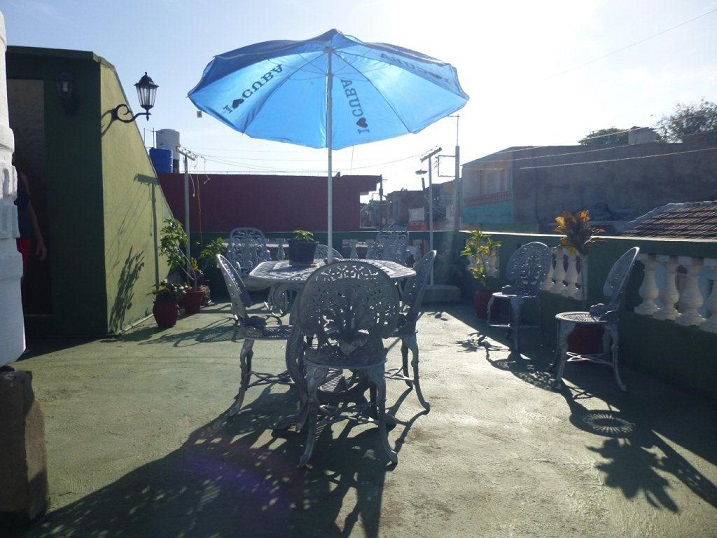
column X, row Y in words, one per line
column 283, row 278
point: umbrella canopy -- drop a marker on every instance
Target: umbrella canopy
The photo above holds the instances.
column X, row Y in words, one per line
column 331, row 91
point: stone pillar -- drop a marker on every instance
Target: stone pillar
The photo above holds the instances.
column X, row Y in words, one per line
column 12, row 328
column 23, row 459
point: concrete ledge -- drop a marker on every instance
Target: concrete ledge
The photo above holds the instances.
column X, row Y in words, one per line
column 438, row 293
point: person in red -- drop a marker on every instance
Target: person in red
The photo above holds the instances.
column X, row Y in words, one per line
column 27, row 223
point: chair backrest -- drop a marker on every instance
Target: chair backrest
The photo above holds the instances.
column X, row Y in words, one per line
column 391, row 246
column 413, row 291
column 527, row 268
column 322, row 251
column 247, row 248
column 616, row 281
column 238, row 292
column 346, row 308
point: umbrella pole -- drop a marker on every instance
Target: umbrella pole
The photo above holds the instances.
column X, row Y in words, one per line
column 329, row 144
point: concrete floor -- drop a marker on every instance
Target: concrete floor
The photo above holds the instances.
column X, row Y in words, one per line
column 138, row 444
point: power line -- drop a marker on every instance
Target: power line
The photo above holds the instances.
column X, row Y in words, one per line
column 633, row 44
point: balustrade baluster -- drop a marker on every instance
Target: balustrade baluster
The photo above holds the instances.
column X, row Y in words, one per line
column 668, row 293
column 691, row 298
column 648, row 290
column 571, row 277
column 710, row 324
column 559, row 272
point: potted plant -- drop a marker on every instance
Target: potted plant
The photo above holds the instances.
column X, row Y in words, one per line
column 302, row 248
column 166, row 306
column 482, row 254
column 173, row 242
column 578, row 237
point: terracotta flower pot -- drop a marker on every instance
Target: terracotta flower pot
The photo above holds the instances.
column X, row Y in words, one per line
column 585, row 339
column 165, row 313
column 193, row 301
column 480, row 303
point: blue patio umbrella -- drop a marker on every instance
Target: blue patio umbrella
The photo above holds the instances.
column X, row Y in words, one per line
column 332, row 91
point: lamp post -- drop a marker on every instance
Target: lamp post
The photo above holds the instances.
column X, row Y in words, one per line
column 146, row 92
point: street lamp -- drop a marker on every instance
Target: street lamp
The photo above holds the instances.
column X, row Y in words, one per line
column 146, row 92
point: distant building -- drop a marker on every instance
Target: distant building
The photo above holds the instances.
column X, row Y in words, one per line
column 527, row 187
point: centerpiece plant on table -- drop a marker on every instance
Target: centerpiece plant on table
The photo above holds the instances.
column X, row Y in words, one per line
column 482, row 254
column 302, row 248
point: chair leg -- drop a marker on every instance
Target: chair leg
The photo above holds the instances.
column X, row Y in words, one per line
column 489, row 308
column 247, row 352
column 614, row 348
column 515, row 306
column 410, row 342
column 315, row 377
column 404, row 359
column 561, row 351
column 376, row 377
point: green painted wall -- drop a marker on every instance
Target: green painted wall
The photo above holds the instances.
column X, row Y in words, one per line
column 102, row 200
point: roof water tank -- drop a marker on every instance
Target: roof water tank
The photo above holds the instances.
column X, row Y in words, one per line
column 168, row 139
column 161, row 159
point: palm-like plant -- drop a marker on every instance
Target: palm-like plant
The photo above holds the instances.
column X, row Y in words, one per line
column 577, row 232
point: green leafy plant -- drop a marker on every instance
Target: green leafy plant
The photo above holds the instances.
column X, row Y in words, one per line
column 479, row 250
column 577, row 231
column 167, row 291
column 303, row 235
column 172, row 245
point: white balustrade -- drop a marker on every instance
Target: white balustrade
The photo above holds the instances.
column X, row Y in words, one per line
column 572, row 277
column 679, row 288
column 558, row 276
column 648, row 290
column 690, row 298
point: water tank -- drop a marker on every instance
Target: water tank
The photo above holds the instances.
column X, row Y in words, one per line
column 161, row 159
column 169, row 139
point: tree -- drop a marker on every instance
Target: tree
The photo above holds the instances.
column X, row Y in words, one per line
column 606, row 137
column 687, row 120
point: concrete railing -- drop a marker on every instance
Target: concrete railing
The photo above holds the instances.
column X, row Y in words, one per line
column 679, row 288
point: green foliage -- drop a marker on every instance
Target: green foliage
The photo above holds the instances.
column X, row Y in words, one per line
column 606, row 137
column 166, row 291
column 687, row 120
column 172, row 245
column 479, row 249
column 578, row 233
column 303, row 235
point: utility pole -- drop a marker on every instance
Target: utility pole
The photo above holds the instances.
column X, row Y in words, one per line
column 187, row 155
column 457, row 184
column 427, row 156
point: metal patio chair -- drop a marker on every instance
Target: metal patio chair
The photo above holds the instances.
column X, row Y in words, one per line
column 411, row 299
column 247, row 248
column 527, row 268
column 322, row 252
column 389, row 245
column 344, row 312
column 253, row 327
column 606, row 316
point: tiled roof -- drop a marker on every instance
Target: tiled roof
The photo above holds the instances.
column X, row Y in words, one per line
column 691, row 220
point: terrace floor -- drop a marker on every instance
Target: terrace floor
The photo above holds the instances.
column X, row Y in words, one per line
column 138, row 444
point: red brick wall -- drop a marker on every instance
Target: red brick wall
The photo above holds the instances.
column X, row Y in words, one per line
column 270, row 203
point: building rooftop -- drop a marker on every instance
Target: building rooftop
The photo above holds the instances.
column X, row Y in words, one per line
column 690, row 220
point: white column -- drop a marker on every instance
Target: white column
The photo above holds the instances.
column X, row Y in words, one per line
column 548, row 282
column 12, row 328
column 668, row 294
column 559, row 273
column 710, row 324
column 571, row 277
column 648, row 290
column 691, row 298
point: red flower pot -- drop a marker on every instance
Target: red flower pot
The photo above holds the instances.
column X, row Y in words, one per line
column 585, row 339
column 193, row 301
column 480, row 303
column 165, row 313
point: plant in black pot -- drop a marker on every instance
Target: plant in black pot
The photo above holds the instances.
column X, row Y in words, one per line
column 482, row 254
column 302, row 248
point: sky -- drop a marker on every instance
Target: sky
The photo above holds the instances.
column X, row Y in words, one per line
column 537, row 73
